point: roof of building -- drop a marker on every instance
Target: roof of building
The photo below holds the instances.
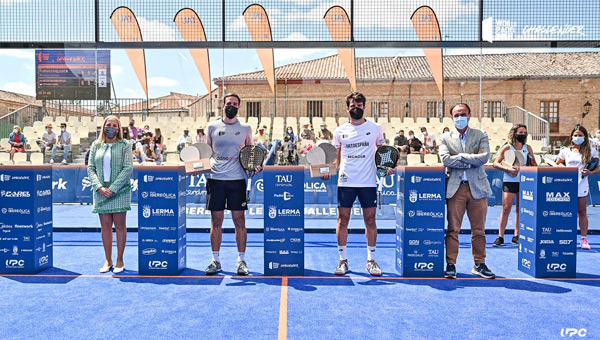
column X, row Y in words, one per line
column 171, row 102
column 509, row 65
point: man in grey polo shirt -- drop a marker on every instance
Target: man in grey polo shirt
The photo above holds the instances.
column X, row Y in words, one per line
column 226, row 186
column 64, row 143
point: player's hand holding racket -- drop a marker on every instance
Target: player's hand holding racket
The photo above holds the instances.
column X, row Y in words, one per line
column 251, row 159
column 386, row 159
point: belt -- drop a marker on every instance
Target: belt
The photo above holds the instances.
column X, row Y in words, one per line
column 464, row 182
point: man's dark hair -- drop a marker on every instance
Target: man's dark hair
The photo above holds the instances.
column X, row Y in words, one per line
column 401, row 131
column 232, row 95
column 460, row 104
column 357, row 97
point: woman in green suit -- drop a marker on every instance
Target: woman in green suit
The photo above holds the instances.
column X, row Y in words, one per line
column 109, row 170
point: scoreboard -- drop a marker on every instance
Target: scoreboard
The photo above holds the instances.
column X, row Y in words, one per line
column 72, row 74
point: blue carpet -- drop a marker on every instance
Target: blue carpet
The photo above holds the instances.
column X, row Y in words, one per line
column 88, row 305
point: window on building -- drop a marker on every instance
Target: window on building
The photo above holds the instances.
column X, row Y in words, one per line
column 314, row 108
column 549, row 111
column 432, row 109
column 253, row 109
column 492, row 109
column 381, row 109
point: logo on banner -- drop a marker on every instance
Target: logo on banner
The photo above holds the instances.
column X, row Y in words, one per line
column 527, row 195
column 424, row 266
column 44, row 193
column 273, row 265
column 557, row 267
column 557, row 213
column 411, row 213
column 558, row 197
column 15, row 264
column 149, row 251
column 412, row 196
column 15, row 194
column 15, row 250
column 148, row 178
column 157, row 264
column 526, row 263
column 285, row 179
column 5, row 178
column 260, row 185
column 85, row 183
column 43, row 260
column 146, row 211
column 527, row 211
column 60, row 184
column 144, row 194
column 422, row 213
column 571, row 332
column 542, row 254
column 272, row 211
column 286, row 196
column 314, row 187
column 38, row 177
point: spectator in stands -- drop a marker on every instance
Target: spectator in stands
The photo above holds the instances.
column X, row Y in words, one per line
column 324, row 133
column 307, row 137
column 414, row 144
column 126, row 135
column 428, row 140
column 158, row 140
column 290, row 132
column 200, row 136
column 184, row 140
column 595, row 142
column 446, row 129
column 138, row 152
column 110, row 168
column 289, row 154
column 17, row 141
column 48, row 139
column 133, row 130
column 152, row 153
column 401, row 142
column 580, row 154
column 262, row 136
column 64, row 143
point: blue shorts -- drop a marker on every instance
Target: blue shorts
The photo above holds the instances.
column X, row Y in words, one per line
column 367, row 196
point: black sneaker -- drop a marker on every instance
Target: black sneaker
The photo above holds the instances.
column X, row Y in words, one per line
column 341, row 268
column 483, row 271
column 515, row 240
column 499, row 241
column 450, row 271
column 213, row 268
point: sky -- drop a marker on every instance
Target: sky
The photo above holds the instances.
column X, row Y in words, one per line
column 171, row 70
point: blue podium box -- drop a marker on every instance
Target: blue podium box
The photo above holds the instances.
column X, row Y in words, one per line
column 161, row 220
column 26, row 219
column 284, row 221
column 420, row 220
column 548, row 222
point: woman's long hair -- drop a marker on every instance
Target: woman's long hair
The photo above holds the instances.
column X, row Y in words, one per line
column 119, row 134
column 512, row 134
column 585, row 150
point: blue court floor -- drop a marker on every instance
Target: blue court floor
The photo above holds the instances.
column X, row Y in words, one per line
column 72, row 300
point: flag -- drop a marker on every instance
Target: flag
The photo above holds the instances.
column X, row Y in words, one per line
column 191, row 29
column 127, row 28
column 428, row 29
column 338, row 24
column 260, row 30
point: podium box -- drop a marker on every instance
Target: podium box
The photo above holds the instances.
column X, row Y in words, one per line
column 26, row 219
column 548, row 222
column 161, row 220
column 420, row 220
column 284, row 220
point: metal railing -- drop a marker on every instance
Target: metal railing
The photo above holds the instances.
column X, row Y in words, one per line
column 24, row 116
column 537, row 127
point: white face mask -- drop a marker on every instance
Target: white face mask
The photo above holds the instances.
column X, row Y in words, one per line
column 62, row 129
column 15, row 130
column 411, row 136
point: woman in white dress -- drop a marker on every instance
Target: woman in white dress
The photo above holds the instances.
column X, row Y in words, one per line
column 578, row 154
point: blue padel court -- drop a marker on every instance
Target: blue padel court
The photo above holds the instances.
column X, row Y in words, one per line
column 72, row 300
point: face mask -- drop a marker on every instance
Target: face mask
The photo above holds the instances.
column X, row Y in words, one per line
column 290, row 131
column 261, row 132
column 411, row 136
column 522, row 138
column 185, row 133
column 15, row 131
column 110, row 132
column 62, row 129
column 356, row 113
column 322, row 129
column 578, row 140
column 424, row 132
column 230, row 111
column 461, row 122
column 598, row 135
column 130, row 124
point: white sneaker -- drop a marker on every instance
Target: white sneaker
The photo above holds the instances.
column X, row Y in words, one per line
column 51, row 161
column 64, row 161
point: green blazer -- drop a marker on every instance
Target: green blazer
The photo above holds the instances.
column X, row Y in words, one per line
column 121, row 165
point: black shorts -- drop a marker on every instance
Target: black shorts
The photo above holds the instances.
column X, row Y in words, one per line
column 226, row 194
column 512, row 187
column 367, row 196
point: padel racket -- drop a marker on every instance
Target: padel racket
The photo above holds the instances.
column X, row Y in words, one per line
column 251, row 156
column 204, row 149
column 189, row 153
column 330, row 152
column 386, row 157
column 510, row 157
column 315, row 156
column 519, row 158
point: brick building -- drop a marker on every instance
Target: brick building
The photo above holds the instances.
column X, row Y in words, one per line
column 554, row 86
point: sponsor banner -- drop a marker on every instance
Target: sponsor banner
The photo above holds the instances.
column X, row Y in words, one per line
column 161, row 220
column 548, row 222
column 284, row 221
column 26, row 224
column 420, row 219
